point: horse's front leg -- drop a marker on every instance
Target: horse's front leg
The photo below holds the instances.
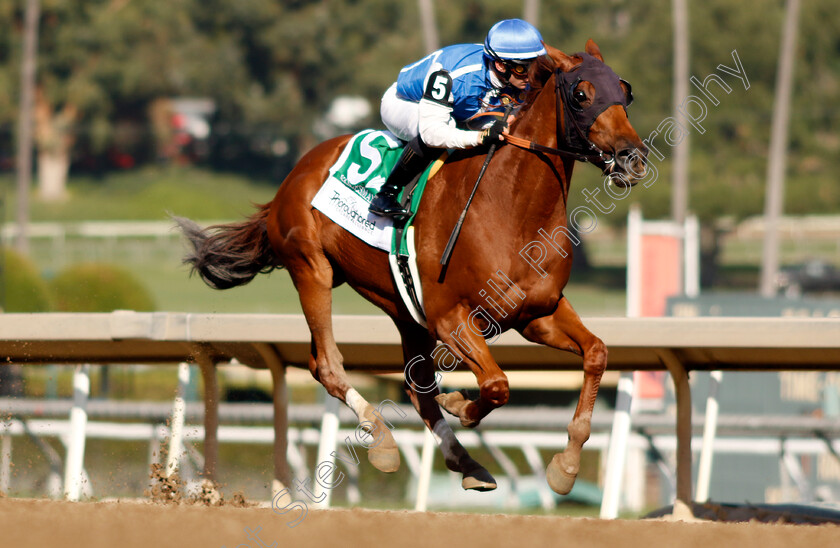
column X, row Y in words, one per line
column 564, row 330
column 463, row 344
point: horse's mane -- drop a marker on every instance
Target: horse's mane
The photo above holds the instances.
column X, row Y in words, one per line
column 538, row 75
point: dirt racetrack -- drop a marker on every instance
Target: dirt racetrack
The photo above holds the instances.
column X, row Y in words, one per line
column 25, row 523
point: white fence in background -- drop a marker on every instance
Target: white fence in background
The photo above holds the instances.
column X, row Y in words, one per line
column 371, row 344
column 527, row 431
column 59, row 244
column 91, row 229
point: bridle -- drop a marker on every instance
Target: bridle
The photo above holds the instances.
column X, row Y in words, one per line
column 575, row 143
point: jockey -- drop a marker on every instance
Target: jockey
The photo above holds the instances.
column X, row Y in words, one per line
column 432, row 98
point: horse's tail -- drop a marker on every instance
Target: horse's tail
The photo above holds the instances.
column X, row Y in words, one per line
column 229, row 255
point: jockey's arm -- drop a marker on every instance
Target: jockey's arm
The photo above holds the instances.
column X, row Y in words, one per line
column 437, row 127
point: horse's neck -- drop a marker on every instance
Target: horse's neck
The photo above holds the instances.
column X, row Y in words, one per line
column 538, row 184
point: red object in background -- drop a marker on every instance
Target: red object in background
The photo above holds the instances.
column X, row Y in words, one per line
column 649, row 385
column 181, row 137
column 121, row 160
column 661, row 277
column 661, row 273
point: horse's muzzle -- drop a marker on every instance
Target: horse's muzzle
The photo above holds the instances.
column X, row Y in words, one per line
column 630, row 166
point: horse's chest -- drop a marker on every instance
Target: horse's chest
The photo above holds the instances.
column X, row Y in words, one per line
column 513, row 300
column 541, row 299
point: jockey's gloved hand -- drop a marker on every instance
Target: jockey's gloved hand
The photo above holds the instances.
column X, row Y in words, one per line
column 493, row 133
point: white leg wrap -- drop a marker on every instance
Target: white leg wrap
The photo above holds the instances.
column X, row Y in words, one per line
column 442, row 432
column 356, row 402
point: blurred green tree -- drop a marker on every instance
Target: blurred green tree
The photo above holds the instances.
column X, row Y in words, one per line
column 23, row 290
column 279, row 65
column 97, row 287
column 95, row 59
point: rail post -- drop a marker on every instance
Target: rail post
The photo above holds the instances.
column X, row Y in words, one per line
column 176, row 427
column 74, row 462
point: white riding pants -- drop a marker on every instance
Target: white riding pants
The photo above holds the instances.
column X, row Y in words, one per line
column 401, row 117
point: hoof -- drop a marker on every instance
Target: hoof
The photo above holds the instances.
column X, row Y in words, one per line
column 384, row 459
column 455, row 403
column 478, row 480
column 452, row 402
column 561, row 476
column 383, row 453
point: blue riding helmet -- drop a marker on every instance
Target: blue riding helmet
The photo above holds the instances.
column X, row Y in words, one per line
column 514, row 40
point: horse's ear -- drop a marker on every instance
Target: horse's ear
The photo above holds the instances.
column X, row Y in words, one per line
column 593, row 50
column 561, row 60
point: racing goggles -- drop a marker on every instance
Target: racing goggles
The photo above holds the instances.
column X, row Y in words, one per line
column 520, row 70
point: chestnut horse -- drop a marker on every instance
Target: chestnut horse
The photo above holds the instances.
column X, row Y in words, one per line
column 522, row 195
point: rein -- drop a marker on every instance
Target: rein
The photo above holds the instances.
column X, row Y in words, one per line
column 570, row 153
column 593, row 155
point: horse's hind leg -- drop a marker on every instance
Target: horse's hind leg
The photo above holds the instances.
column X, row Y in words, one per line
column 313, row 279
column 565, row 331
column 421, row 388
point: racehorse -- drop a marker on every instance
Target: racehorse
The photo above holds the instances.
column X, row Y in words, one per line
column 575, row 110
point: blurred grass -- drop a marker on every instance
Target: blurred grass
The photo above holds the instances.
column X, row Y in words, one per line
column 147, row 194
column 175, row 290
column 126, row 382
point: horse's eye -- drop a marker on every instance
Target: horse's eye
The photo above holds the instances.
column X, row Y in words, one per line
column 579, row 96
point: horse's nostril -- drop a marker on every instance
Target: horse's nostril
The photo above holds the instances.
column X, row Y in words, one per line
column 631, row 153
column 632, row 161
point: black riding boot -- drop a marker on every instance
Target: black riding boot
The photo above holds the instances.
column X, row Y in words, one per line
column 415, row 158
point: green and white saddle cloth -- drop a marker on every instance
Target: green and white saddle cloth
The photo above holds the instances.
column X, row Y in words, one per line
column 354, row 180
column 345, row 196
